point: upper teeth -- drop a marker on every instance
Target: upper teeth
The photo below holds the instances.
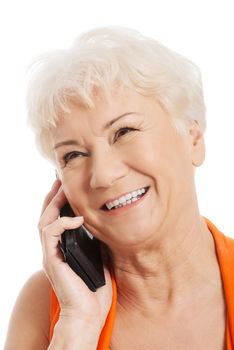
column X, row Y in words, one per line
column 126, row 199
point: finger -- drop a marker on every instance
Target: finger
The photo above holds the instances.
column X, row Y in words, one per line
column 52, row 211
column 51, row 233
column 51, row 194
column 50, row 238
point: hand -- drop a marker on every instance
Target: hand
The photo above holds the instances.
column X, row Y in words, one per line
column 76, row 301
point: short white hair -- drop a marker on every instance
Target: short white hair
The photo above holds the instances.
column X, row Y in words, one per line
column 106, row 57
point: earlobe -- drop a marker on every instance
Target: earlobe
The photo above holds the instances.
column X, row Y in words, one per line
column 197, row 144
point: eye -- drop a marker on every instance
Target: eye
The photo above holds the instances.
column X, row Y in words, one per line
column 122, row 132
column 72, row 155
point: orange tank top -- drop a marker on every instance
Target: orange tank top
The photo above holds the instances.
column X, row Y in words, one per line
column 225, row 254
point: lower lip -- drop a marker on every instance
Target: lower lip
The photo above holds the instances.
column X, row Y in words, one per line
column 126, row 207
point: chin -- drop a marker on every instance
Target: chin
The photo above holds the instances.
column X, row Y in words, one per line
column 127, row 236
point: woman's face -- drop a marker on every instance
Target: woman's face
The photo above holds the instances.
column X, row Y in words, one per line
column 126, row 149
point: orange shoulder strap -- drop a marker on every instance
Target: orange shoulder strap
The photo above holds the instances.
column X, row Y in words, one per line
column 105, row 337
column 225, row 253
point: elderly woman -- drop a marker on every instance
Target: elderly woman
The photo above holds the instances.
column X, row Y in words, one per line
column 123, row 119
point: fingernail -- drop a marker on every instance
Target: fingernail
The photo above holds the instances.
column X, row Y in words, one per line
column 77, row 218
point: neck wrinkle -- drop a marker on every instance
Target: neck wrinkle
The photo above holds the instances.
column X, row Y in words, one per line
column 178, row 276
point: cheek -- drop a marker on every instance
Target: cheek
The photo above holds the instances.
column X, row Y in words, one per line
column 150, row 157
column 75, row 178
column 161, row 158
column 74, row 187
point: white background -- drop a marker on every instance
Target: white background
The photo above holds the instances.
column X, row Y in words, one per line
column 202, row 30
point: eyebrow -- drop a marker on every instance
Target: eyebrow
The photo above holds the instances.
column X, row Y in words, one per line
column 106, row 126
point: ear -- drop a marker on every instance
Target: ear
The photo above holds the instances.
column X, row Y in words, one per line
column 197, row 144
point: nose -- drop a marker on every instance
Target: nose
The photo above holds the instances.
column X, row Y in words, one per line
column 107, row 168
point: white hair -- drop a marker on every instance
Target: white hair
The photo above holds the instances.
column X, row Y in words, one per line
column 106, row 57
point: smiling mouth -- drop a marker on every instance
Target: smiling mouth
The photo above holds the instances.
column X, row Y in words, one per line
column 125, row 200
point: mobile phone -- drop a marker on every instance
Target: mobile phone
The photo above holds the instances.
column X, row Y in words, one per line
column 82, row 253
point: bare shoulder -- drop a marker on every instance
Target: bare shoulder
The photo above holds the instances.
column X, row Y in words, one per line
column 29, row 323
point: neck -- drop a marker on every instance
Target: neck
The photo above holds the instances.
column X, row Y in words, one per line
column 170, row 272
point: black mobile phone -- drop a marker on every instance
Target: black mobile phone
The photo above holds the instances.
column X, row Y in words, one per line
column 82, row 253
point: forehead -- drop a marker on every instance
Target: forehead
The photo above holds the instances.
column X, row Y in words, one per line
column 81, row 119
column 110, row 105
